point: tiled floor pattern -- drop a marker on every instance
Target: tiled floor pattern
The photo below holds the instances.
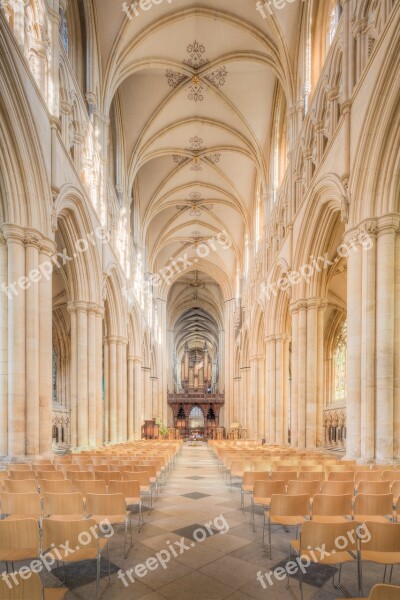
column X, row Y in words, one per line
column 223, row 566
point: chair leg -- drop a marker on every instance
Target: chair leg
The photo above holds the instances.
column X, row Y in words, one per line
column 391, row 573
column 384, row 574
column 269, row 538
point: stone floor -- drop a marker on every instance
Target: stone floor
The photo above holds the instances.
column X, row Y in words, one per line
column 197, row 503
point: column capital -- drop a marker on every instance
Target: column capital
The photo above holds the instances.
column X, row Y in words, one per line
column 134, row 359
column 13, row 233
column 121, row 341
column 388, row 224
column 111, row 339
column 78, row 306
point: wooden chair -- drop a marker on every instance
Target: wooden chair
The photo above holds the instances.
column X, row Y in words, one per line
column 249, row 477
column 382, row 546
column 382, row 592
column 16, row 486
column 332, row 509
column 56, row 533
column 312, row 468
column 143, row 478
column 110, row 508
column 341, row 476
column 390, row 476
column 51, row 486
column 21, row 467
column 63, row 507
column 75, row 475
column 373, row 487
column 315, row 536
column 337, row 488
column 287, row 511
column 21, row 506
column 51, row 475
column 395, row 490
column 285, row 476
column 373, row 507
column 131, row 491
column 298, row 488
column 311, row 476
column 366, row 476
column 19, row 541
column 262, row 492
column 108, row 475
column 90, row 486
column 21, row 475
column 15, row 587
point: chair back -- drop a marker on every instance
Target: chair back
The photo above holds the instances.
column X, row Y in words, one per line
column 289, row 506
column 285, row 476
column 75, row 475
column 265, row 489
column 341, row 476
column 130, row 489
column 298, row 488
column 373, row 487
column 16, row 587
column 107, row 475
column 367, row 476
column 63, row 504
column 311, row 476
column 381, row 537
column 385, row 592
column 333, row 488
column 332, row 506
column 90, row 486
column 17, row 486
column 22, row 467
column 21, row 504
column 373, row 504
column 21, row 534
column 53, row 475
column 105, row 504
column 56, row 533
column 142, row 477
column 315, row 535
column 51, row 486
column 20, row 475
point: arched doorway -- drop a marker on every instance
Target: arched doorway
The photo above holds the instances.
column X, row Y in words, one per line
column 196, row 420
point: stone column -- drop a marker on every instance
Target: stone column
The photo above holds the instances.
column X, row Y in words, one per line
column 82, row 374
column 396, row 394
column 32, row 349
column 271, row 354
column 47, row 249
column 138, row 397
column 3, row 348
column 385, row 311
column 73, row 376
column 294, row 391
column 252, row 399
column 311, row 372
column 121, row 390
column 99, row 377
column 354, row 312
column 320, row 434
column 302, row 374
column 106, row 390
column 112, row 341
column 92, row 387
column 285, row 389
column 261, row 399
column 368, row 320
column 16, row 342
column 267, row 406
column 131, row 398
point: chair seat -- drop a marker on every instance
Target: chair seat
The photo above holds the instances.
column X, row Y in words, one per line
column 65, row 517
column 78, row 555
column 54, row 593
column 382, row 558
column 130, row 501
column 145, row 488
column 372, row 518
column 19, row 517
column 247, row 488
column 113, row 519
column 11, row 555
column 286, row 521
column 329, row 519
column 263, row 501
column 334, row 559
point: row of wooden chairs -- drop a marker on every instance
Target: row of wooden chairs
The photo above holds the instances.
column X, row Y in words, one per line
column 59, row 540
column 336, row 544
column 111, row 508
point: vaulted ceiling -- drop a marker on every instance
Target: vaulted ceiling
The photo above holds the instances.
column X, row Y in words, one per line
column 191, row 86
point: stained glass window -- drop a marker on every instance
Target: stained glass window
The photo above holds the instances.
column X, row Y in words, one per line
column 333, row 20
column 340, row 364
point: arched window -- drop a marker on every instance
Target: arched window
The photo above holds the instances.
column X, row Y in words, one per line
column 340, row 365
column 333, row 21
column 196, row 418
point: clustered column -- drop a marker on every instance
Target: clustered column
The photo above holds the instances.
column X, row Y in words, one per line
column 25, row 342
